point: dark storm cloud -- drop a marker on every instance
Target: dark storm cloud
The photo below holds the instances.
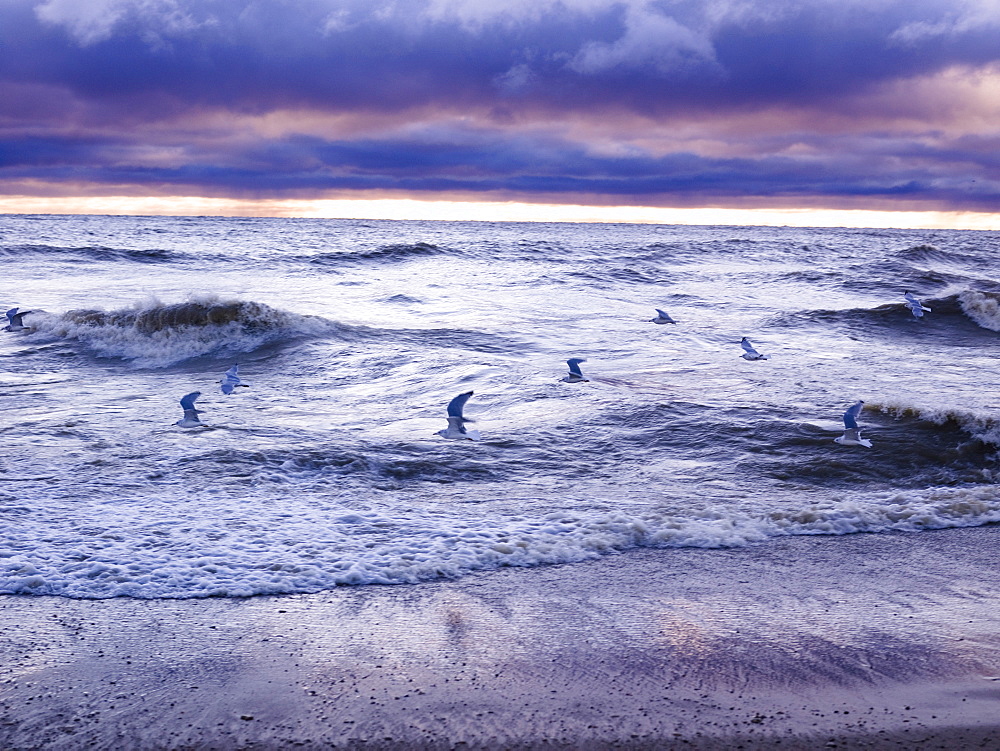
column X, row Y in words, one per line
column 308, row 166
column 120, row 91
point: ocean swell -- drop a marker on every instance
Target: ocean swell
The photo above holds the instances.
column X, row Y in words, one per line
column 384, row 254
column 92, row 253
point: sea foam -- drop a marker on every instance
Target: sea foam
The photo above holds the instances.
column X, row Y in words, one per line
column 982, row 307
column 282, row 553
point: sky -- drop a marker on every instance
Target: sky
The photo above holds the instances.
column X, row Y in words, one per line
column 854, row 112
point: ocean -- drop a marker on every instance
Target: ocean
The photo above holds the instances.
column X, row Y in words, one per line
column 353, row 336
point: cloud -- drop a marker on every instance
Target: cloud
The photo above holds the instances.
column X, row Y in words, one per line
column 640, row 98
column 651, row 40
column 92, row 21
column 966, row 17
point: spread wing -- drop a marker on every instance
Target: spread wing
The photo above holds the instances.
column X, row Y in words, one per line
column 188, row 400
column 456, row 405
column 851, row 415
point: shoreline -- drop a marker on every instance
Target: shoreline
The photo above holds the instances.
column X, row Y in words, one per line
column 865, row 641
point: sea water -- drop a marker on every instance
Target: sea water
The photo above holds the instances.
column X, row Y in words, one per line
column 354, row 335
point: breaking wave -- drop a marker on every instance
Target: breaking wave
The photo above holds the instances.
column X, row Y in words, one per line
column 281, row 553
column 156, row 335
column 978, row 426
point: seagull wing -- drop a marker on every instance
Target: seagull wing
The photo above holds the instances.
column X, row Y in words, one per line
column 747, row 347
column 188, row 400
column 456, row 405
column 231, row 380
column 574, row 365
column 851, row 415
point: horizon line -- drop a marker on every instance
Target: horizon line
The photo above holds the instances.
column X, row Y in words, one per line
column 408, row 209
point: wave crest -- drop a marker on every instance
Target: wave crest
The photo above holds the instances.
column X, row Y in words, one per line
column 979, row 426
column 155, row 335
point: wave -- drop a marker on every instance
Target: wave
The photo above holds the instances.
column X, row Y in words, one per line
column 92, row 254
column 374, row 467
column 385, row 253
column 282, row 553
column 156, row 335
column 931, row 255
column 981, row 427
column 631, row 274
column 969, row 310
column 914, row 447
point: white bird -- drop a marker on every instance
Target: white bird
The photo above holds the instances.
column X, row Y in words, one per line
column 456, row 420
column 749, row 353
column 231, row 380
column 14, row 320
column 575, row 374
column 914, row 305
column 661, row 317
column 190, row 419
column 852, row 432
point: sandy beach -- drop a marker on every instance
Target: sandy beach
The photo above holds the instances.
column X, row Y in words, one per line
column 867, row 641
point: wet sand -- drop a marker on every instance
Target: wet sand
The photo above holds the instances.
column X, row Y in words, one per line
column 867, row 641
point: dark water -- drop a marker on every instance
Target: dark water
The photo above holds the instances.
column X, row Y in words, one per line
column 354, row 336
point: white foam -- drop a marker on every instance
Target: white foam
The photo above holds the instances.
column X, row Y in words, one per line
column 198, row 553
column 982, row 307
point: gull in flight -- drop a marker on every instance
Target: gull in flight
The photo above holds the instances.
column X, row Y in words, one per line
column 749, row 353
column 231, row 380
column 852, row 432
column 190, row 419
column 661, row 317
column 14, row 320
column 914, row 305
column 575, row 374
column 456, row 420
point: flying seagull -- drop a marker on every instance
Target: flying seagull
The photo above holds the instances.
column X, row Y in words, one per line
column 231, row 380
column 14, row 320
column 749, row 353
column 190, row 419
column 575, row 374
column 852, row 432
column 661, row 317
column 914, row 305
column 456, row 420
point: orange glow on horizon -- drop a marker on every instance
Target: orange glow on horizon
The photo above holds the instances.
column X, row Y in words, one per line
column 496, row 211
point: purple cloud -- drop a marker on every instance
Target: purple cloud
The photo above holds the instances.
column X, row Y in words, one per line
column 650, row 101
